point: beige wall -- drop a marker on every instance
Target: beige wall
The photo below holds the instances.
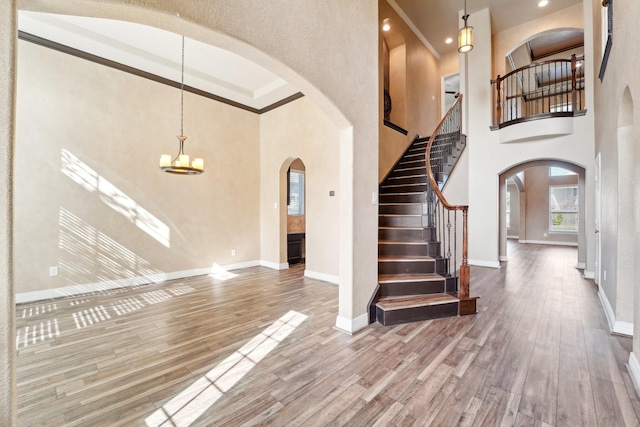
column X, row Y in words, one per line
column 617, row 141
column 537, row 182
column 8, row 59
column 422, row 82
column 89, row 196
column 300, row 130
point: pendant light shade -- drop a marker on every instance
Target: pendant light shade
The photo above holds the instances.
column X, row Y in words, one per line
column 465, row 35
column 180, row 164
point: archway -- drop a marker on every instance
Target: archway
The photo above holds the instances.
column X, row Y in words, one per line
column 293, row 211
column 544, row 165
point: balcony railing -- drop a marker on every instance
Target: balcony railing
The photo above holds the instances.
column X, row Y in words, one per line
column 545, row 89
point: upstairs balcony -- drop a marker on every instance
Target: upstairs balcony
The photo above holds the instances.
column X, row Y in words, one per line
column 542, row 90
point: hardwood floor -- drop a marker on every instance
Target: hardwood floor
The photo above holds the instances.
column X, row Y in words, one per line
column 260, row 348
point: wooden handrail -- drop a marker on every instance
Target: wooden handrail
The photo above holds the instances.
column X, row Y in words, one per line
column 464, row 278
column 533, row 65
column 432, row 179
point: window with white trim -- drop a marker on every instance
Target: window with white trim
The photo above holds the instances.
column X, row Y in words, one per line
column 296, row 193
column 563, row 208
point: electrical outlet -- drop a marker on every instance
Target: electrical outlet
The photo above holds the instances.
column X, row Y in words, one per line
column 233, row 252
column 275, row 205
column 53, row 271
column 545, row 235
column 605, row 275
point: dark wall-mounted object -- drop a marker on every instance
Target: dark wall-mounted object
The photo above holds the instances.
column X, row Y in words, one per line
column 607, row 50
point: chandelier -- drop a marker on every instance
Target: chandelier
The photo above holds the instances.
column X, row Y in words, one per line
column 180, row 164
column 465, row 35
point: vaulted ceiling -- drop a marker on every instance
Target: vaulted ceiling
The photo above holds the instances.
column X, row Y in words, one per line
column 229, row 76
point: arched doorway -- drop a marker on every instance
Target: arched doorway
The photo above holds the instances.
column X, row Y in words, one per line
column 539, row 219
column 295, row 212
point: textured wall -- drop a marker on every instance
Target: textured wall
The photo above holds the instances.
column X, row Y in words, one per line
column 89, row 196
column 617, row 142
column 8, row 405
column 507, row 40
column 300, row 130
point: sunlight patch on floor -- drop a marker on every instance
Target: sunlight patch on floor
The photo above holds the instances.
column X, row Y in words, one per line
column 219, row 273
column 185, row 408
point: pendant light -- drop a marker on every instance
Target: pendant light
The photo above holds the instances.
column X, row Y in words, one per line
column 465, row 35
column 180, row 164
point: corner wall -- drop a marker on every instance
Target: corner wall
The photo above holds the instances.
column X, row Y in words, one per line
column 300, row 130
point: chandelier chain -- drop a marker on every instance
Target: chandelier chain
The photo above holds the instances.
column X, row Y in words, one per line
column 182, row 93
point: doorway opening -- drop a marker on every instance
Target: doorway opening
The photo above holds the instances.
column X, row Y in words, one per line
column 296, row 213
column 543, row 202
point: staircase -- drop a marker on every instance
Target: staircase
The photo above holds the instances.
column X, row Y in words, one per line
column 413, row 278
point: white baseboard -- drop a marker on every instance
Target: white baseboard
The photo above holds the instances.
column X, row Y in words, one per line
column 47, row 294
column 581, row 265
column 483, row 263
column 513, row 237
column 549, row 242
column 634, row 372
column 274, row 265
column 352, row 326
column 239, row 265
column 589, row 274
column 615, row 326
column 322, row 276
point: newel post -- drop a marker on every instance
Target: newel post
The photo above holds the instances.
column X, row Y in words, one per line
column 467, row 304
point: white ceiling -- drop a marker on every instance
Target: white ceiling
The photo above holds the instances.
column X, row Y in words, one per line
column 438, row 19
column 156, row 51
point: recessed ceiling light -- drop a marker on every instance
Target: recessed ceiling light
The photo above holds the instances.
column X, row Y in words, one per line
column 543, row 3
column 386, row 27
column 449, row 40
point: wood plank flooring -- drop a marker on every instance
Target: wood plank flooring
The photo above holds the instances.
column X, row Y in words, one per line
column 207, row 351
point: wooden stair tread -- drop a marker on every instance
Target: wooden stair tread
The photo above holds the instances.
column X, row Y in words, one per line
column 419, row 175
column 404, row 258
column 404, row 302
column 400, row 228
column 398, row 278
column 404, row 242
column 403, row 193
